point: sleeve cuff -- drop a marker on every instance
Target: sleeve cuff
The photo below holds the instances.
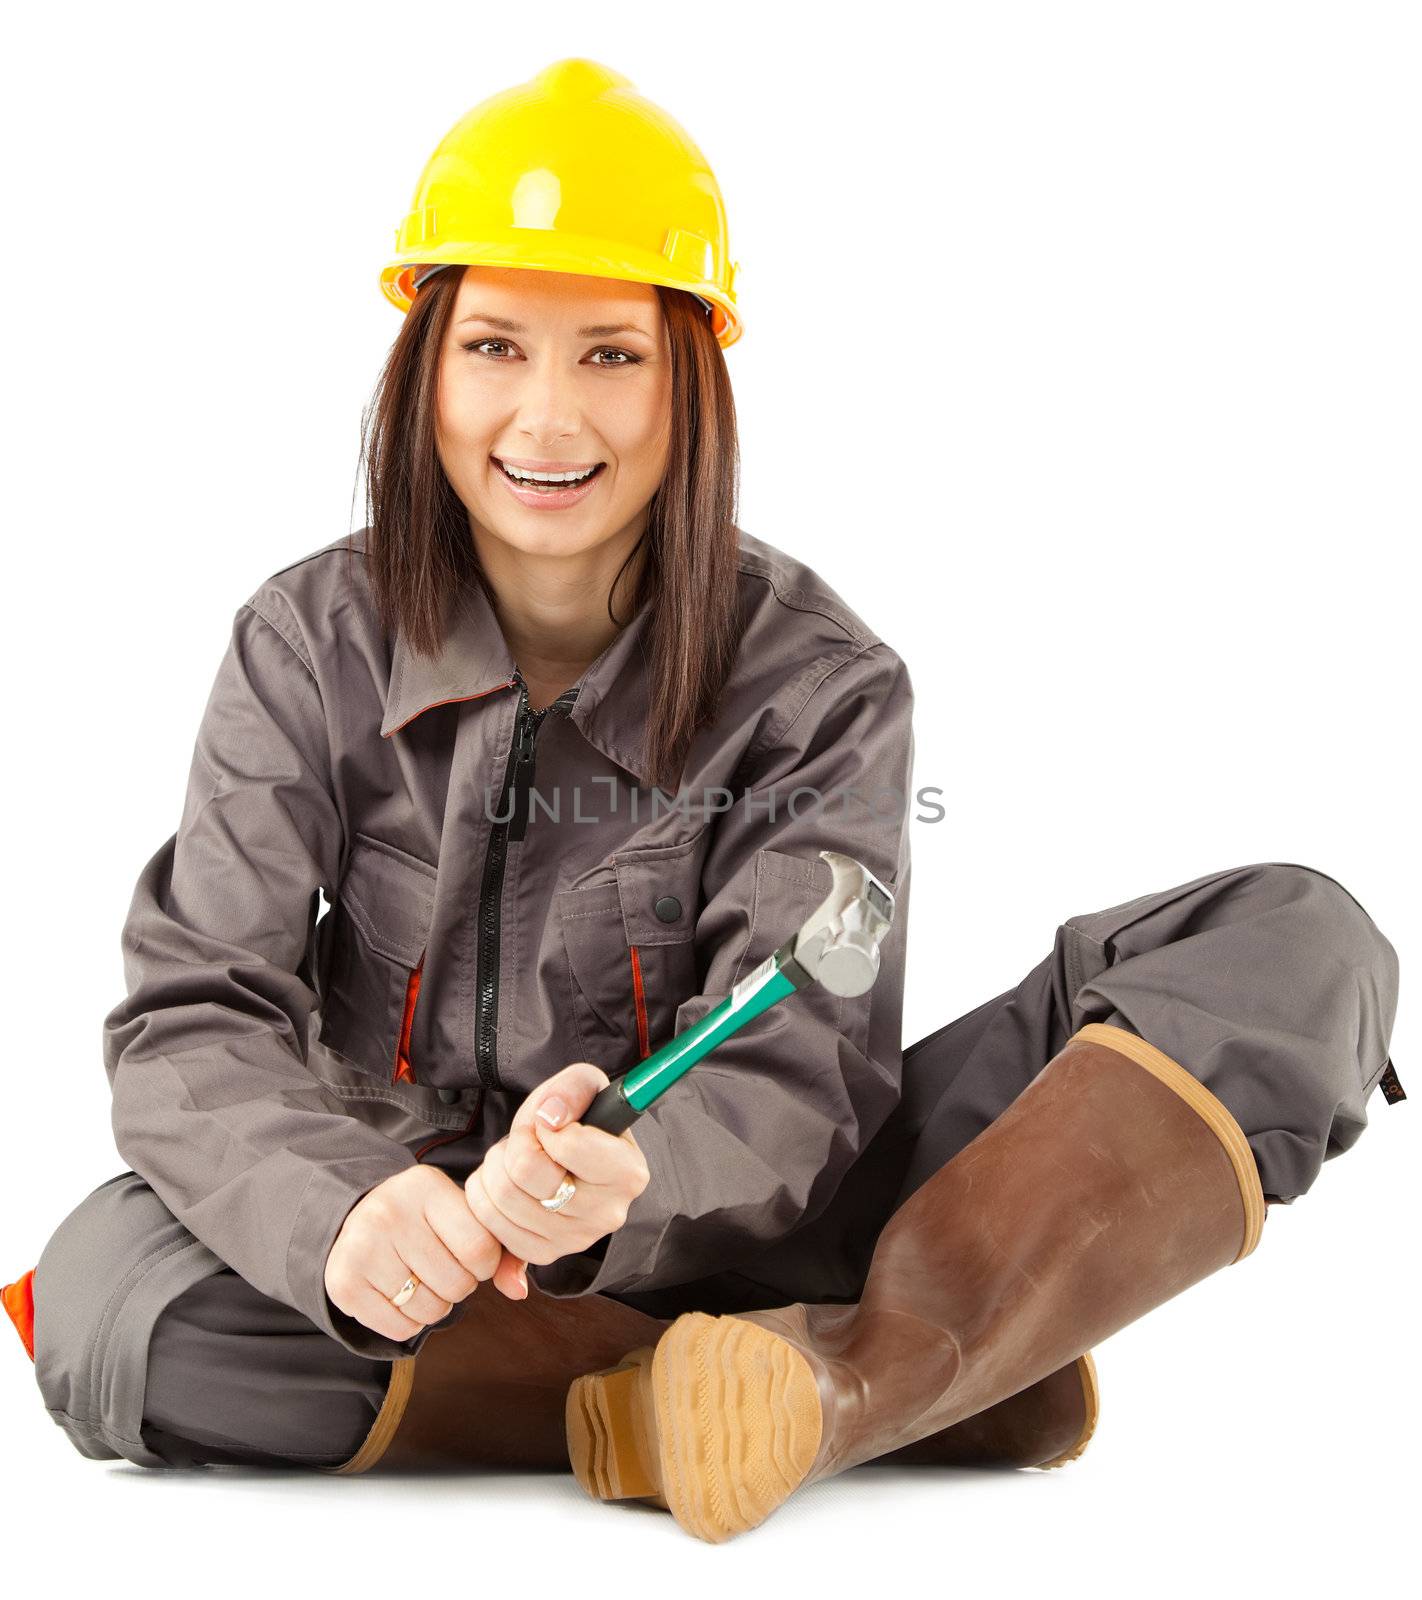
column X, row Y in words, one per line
column 584, row 1273
column 626, row 1260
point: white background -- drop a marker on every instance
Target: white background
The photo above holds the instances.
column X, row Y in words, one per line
column 1082, row 357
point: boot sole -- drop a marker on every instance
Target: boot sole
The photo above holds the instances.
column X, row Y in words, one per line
column 717, row 1423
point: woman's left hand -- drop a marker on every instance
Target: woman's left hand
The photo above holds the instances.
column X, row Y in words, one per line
column 529, row 1163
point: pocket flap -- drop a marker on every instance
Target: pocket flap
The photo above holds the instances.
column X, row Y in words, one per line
column 812, row 873
column 657, row 889
column 390, row 898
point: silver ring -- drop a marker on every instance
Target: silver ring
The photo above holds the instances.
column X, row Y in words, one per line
column 566, row 1190
column 406, row 1292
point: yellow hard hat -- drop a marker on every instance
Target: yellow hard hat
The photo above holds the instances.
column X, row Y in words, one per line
column 573, row 171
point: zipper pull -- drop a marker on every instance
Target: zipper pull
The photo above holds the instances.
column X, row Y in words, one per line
column 527, row 726
column 523, row 772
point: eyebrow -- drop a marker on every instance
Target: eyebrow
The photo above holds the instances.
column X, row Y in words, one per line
column 598, row 330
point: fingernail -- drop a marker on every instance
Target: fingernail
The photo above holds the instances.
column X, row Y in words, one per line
column 553, row 1111
column 523, row 1280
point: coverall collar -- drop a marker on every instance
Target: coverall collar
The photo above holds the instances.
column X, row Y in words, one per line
column 613, row 693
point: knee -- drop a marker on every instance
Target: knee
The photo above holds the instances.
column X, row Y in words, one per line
column 1320, row 1038
column 98, row 1286
column 78, row 1281
column 1328, row 927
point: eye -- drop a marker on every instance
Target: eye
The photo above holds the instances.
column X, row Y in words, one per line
column 628, row 359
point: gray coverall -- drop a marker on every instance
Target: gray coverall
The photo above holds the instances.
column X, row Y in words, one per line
column 506, row 895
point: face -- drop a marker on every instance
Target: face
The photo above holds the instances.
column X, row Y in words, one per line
column 554, row 372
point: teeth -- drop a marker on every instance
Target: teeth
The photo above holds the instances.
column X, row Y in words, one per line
column 547, row 477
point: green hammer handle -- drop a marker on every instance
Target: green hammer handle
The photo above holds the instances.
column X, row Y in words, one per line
column 625, row 1099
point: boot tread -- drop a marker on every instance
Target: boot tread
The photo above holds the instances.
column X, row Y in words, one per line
column 719, row 1427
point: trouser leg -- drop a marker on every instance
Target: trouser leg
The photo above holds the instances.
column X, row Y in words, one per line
column 148, row 1347
column 1269, row 983
column 234, row 1376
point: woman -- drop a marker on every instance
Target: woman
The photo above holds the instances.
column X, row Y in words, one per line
column 563, row 760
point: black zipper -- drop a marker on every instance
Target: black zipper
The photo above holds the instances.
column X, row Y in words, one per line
column 518, row 781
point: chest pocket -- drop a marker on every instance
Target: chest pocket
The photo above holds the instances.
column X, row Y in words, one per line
column 631, row 957
column 373, row 952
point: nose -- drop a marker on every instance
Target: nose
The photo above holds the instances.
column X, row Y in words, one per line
column 548, row 405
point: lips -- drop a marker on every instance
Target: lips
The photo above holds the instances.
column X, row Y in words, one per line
column 591, row 469
column 551, row 497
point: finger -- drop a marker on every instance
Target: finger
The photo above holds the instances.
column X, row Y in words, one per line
column 425, row 1255
column 389, row 1274
column 502, row 1154
column 511, row 1277
column 536, row 1219
column 517, row 1205
column 577, row 1086
column 594, row 1156
column 516, row 1239
column 527, row 1163
column 372, row 1310
column 421, row 1247
column 471, row 1244
column 424, row 1306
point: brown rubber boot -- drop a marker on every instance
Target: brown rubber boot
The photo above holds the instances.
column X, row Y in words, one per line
column 1114, row 1181
column 1047, row 1424
column 492, row 1390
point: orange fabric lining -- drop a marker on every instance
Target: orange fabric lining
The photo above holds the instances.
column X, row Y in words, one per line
column 641, row 1000
column 19, row 1298
column 458, row 700
column 404, row 1072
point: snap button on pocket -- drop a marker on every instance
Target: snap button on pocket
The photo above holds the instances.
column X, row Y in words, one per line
column 658, row 886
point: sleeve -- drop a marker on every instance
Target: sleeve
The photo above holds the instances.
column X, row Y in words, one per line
column 754, row 1141
column 213, row 1101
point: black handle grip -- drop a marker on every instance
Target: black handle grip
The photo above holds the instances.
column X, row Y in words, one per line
column 610, row 1110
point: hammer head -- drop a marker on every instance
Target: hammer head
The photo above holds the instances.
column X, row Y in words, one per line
column 839, row 945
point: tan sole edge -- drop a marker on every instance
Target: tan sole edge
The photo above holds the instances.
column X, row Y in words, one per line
column 1214, row 1111
column 1091, row 1394
column 718, row 1424
column 387, row 1419
column 607, row 1415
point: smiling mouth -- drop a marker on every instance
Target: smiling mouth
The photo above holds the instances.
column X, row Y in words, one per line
column 549, row 488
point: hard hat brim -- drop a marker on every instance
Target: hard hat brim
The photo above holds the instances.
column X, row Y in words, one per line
column 580, row 254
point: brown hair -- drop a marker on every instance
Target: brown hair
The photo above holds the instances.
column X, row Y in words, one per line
column 418, row 541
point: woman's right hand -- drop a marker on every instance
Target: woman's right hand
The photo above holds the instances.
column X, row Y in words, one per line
column 417, row 1222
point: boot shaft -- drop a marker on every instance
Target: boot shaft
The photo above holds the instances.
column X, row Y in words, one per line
column 1112, row 1183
